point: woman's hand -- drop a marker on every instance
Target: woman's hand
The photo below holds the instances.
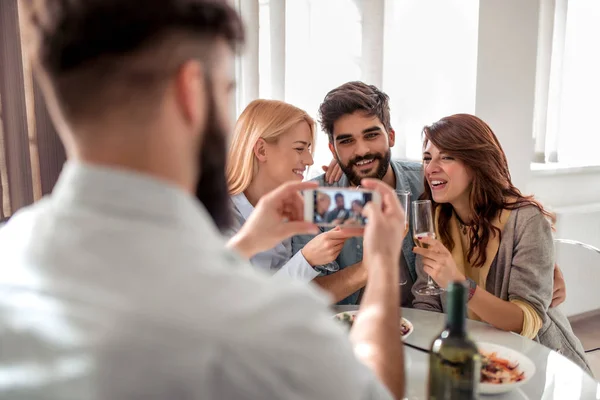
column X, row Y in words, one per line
column 559, row 294
column 384, row 233
column 277, row 216
column 351, row 222
column 326, row 247
column 438, row 262
column 333, row 172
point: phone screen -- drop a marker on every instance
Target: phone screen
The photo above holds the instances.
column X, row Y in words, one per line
column 340, row 206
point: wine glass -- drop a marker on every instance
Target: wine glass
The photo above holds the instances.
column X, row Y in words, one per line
column 423, row 227
column 404, row 198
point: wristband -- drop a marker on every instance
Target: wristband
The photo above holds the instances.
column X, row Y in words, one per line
column 472, row 287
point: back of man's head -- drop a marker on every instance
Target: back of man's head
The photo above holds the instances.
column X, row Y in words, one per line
column 140, row 84
column 94, row 55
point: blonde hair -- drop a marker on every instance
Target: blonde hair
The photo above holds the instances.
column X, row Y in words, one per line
column 266, row 119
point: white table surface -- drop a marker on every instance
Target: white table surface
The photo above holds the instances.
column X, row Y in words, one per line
column 556, row 377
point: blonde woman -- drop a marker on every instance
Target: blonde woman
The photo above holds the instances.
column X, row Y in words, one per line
column 273, row 144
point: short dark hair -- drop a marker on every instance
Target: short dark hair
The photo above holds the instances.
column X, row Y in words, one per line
column 352, row 97
column 85, row 47
column 338, row 196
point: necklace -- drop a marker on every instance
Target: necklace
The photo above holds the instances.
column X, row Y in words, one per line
column 464, row 228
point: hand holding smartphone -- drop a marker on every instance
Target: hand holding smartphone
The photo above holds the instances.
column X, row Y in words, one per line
column 331, row 206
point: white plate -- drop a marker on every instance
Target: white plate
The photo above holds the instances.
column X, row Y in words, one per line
column 406, row 322
column 525, row 365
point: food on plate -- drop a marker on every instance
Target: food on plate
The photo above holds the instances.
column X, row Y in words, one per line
column 348, row 318
column 498, row 370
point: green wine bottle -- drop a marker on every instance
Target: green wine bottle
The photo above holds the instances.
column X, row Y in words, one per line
column 454, row 361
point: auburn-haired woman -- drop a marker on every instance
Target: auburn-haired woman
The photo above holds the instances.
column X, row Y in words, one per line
column 273, row 144
column 490, row 236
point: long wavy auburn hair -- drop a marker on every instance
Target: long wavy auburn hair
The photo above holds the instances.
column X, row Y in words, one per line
column 470, row 140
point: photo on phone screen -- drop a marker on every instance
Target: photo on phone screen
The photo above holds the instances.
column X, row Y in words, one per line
column 338, row 206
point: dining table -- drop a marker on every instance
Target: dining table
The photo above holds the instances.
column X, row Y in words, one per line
column 556, row 377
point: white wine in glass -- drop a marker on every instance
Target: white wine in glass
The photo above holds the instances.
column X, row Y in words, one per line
column 423, row 227
column 418, row 236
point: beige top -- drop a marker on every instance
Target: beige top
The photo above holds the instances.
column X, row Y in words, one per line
column 532, row 322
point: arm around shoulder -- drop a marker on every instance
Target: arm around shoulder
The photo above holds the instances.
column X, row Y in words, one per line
column 532, row 266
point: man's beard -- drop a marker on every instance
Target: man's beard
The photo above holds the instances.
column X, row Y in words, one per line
column 212, row 188
column 379, row 173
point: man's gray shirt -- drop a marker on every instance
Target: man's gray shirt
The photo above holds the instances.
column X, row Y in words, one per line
column 409, row 177
column 119, row 286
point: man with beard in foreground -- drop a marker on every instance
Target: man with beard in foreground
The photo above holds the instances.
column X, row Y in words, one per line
column 119, row 285
column 356, row 118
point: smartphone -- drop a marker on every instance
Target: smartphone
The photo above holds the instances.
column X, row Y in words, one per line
column 334, row 206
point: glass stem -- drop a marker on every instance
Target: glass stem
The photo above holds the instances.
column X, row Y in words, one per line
column 430, row 281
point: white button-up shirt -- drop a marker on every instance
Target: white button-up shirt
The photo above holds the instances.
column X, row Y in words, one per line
column 278, row 260
column 118, row 286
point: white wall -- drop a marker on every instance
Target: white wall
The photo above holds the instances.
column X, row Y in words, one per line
column 566, row 187
column 506, row 70
column 430, row 65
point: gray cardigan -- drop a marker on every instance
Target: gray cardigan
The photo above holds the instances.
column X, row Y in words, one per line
column 522, row 269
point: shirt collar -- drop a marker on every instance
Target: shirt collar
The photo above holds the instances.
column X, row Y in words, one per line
column 243, row 205
column 130, row 193
column 344, row 181
column 401, row 180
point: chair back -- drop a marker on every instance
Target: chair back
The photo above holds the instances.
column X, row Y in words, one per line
column 580, row 264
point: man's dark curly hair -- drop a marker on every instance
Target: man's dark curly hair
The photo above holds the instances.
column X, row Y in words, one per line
column 352, row 97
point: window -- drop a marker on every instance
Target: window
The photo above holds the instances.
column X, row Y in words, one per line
column 580, row 100
column 430, row 66
column 321, row 55
column 316, row 56
column 572, row 136
column 425, row 61
column 4, row 193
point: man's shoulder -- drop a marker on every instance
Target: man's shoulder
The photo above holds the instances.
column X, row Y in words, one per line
column 530, row 217
column 319, row 178
column 411, row 171
column 22, row 223
column 321, row 181
column 411, row 166
column 291, row 321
